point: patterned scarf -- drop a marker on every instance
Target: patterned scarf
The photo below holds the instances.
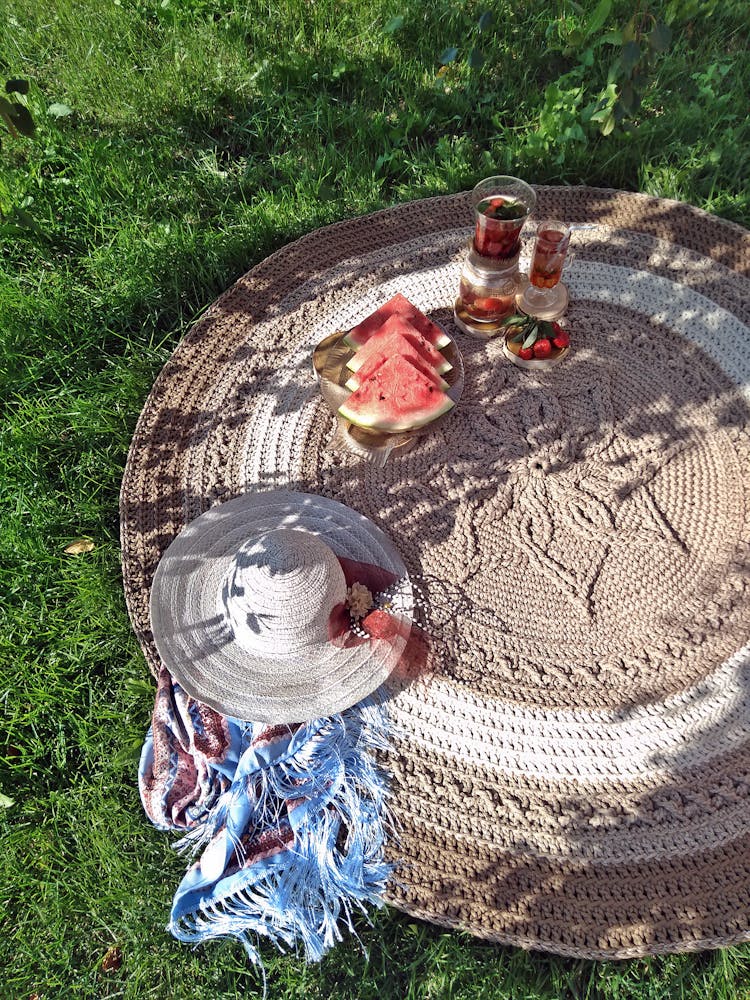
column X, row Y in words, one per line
column 288, row 820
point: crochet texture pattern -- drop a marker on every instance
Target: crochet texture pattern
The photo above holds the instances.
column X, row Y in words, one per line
column 572, row 773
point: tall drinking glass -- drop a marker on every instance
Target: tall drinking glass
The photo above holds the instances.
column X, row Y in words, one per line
column 546, row 296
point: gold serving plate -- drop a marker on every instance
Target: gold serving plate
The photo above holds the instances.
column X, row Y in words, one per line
column 329, row 364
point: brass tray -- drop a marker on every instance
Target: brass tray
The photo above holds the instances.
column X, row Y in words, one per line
column 329, row 365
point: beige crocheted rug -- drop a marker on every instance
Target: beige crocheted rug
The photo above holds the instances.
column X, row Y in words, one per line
column 572, row 770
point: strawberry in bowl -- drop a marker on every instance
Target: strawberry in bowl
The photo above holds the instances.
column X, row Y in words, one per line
column 534, row 343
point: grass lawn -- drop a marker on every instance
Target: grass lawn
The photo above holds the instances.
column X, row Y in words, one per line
column 178, row 143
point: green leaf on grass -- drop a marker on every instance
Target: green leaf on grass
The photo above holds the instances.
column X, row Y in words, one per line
column 629, row 32
column 447, row 56
column 608, row 125
column 627, row 97
column 610, row 38
column 575, row 38
column 630, row 56
column 59, row 110
column 485, row 21
column 5, row 802
column 599, row 16
column 25, row 222
column 395, row 24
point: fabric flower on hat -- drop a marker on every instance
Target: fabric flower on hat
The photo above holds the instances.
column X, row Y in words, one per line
column 359, row 600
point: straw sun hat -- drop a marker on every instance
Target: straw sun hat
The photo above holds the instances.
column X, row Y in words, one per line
column 244, row 605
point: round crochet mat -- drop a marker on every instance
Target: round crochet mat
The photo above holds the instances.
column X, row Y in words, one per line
column 571, row 769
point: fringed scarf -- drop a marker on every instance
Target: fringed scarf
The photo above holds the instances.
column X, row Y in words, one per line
column 288, row 820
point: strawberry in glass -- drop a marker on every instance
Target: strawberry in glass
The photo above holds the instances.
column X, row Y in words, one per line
column 498, row 226
column 482, row 306
column 501, row 206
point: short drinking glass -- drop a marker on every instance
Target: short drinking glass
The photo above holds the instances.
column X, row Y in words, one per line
column 501, row 205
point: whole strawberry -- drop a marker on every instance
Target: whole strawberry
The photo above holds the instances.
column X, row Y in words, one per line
column 561, row 338
column 542, row 348
column 526, row 353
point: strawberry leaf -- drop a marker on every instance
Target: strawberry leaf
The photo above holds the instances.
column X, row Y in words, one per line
column 531, row 339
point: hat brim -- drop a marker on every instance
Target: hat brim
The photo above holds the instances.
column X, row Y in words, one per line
column 199, row 649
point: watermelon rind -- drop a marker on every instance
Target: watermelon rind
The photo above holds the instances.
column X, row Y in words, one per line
column 379, row 422
column 382, row 403
column 399, row 305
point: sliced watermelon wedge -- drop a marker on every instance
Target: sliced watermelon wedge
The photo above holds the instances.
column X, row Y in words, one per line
column 407, row 350
column 399, row 305
column 397, row 397
column 391, row 338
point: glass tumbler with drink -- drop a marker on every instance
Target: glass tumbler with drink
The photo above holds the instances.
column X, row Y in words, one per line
column 501, row 205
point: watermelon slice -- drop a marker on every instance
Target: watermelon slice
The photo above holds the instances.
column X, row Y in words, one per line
column 392, row 338
column 407, row 350
column 396, row 397
column 399, row 305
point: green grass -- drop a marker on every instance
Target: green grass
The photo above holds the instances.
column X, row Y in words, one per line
column 203, row 135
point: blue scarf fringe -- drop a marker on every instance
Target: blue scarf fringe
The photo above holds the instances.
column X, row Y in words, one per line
column 332, row 863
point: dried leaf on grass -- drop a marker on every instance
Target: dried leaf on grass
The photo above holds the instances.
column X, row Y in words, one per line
column 112, row 959
column 79, row 546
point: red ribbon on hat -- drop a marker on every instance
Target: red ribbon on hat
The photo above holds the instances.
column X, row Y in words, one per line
column 378, row 623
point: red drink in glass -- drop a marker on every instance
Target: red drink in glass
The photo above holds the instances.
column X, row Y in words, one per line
column 490, row 279
column 498, row 226
column 549, row 254
column 501, row 207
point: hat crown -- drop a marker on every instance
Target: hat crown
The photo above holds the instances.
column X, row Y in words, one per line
column 279, row 592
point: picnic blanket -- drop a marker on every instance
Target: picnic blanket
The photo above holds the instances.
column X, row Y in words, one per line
column 575, row 776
